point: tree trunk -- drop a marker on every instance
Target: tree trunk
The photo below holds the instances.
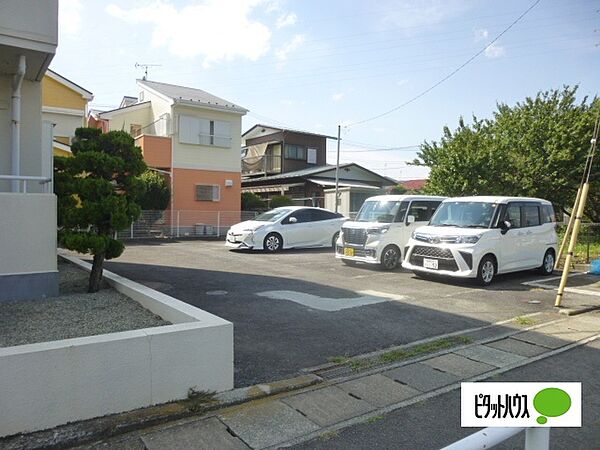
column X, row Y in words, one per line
column 96, row 273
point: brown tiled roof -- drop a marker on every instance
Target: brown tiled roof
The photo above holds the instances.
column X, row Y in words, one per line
column 413, row 185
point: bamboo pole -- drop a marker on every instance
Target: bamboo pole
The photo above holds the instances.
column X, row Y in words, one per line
column 579, row 214
column 572, row 244
column 565, row 240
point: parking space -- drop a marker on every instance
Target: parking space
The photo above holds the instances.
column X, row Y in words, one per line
column 297, row 308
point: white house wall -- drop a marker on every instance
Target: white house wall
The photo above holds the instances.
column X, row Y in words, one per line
column 28, row 246
column 31, row 133
column 30, row 28
column 187, row 156
column 65, row 124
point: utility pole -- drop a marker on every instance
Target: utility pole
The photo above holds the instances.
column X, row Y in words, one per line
column 337, row 170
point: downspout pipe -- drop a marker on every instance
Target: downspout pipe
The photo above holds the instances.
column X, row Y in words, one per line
column 15, row 161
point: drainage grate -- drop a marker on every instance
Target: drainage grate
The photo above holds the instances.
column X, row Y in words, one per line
column 334, row 372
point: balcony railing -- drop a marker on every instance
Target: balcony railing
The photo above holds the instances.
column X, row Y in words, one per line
column 22, row 182
column 266, row 164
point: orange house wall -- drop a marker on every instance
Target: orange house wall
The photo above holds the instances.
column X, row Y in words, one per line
column 184, row 190
column 156, row 150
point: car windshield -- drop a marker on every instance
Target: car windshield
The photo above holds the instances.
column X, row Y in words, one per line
column 383, row 211
column 272, row 216
column 464, row 215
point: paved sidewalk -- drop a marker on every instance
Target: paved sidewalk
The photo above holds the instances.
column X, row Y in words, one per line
column 287, row 419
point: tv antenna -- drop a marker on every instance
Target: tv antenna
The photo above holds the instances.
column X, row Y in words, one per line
column 145, row 66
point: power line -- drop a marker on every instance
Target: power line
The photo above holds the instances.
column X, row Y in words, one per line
column 451, row 74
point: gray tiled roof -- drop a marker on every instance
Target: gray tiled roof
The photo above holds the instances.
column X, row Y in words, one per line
column 293, row 130
column 312, row 171
column 190, row 95
column 300, row 173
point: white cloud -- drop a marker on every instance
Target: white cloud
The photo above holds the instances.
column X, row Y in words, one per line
column 286, row 20
column 494, row 51
column 273, row 6
column 418, row 13
column 218, row 30
column 402, row 82
column 338, row 96
column 288, row 47
column 481, row 34
column 69, row 17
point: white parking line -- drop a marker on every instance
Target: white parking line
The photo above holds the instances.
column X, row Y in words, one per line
column 545, row 280
column 331, row 304
column 542, row 283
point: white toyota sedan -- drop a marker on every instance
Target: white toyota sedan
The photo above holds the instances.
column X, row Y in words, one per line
column 287, row 227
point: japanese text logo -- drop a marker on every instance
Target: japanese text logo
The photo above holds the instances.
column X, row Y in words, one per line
column 520, row 404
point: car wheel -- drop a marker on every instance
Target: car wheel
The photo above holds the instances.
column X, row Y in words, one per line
column 390, row 257
column 273, row 242
column 486, row 271
column 547, row 267
column 335, row 238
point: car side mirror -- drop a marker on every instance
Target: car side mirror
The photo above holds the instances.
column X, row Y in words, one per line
column 292, row 220
column 410, row 219
column 505, row 226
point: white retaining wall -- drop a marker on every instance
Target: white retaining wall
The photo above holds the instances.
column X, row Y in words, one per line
column 48, row 384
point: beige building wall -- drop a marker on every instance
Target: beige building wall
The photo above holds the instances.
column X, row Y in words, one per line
column 160, row 107
column 186, row 156
column 122, row 120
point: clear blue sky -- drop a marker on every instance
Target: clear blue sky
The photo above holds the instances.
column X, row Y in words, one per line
column 315, row 64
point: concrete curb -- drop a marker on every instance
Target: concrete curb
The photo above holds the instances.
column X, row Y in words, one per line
column 576, row 311
column 87, row 431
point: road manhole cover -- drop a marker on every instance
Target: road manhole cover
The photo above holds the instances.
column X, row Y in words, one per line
column 217, row 292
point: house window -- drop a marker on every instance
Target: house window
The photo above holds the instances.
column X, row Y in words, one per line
column 135, row 130
column 295, row 152
column 197, row 131
column 311, row 156
column 208, row 193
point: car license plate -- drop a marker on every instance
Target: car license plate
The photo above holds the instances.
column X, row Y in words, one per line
column 430, row 263
column 348, row 251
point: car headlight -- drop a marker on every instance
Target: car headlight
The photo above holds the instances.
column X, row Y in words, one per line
column 413, row 235
column 378, row 230
column 467, row 239
column 252, row 230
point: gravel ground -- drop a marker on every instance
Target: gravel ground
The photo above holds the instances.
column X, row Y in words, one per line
column 75, row 313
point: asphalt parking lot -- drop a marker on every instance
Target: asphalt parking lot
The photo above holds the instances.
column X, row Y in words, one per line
column 297, row 308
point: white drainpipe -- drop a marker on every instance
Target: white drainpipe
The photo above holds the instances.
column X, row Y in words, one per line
column 16, row 122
